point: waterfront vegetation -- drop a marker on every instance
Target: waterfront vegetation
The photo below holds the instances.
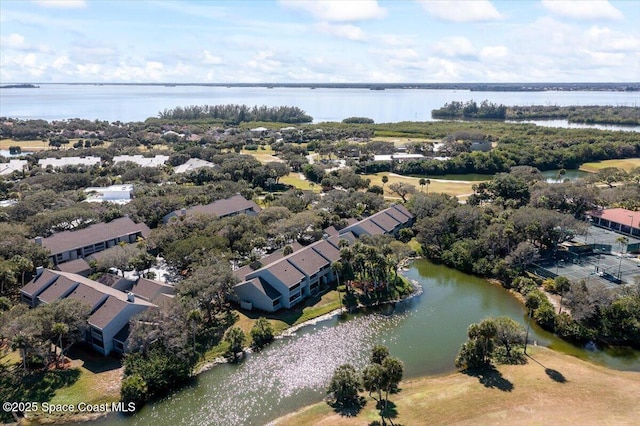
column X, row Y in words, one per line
column 507, row 221
column 574, row 114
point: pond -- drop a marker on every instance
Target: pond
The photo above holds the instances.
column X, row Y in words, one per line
column 425, row 332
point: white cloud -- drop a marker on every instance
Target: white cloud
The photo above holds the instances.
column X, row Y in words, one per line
column 592, row 9
column 348, row 31
column 13, row 41
column 334, row 10
column 63, row 4
column 456, row 46
column 211, row 59
column 462, row 11
column 605, row 39
column 494, row 52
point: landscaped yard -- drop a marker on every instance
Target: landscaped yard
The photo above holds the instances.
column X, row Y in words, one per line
column 297, row 181
column 625, row 164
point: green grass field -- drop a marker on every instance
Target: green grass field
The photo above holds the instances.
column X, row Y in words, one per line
column 552, row 388
column 294, row 179
column 455, row 188
column 625, row 164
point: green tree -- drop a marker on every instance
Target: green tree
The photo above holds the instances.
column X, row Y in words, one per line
column 133, row 389
column 508, row 334
column 562, row 285
column 236, row 339
column 261, row 333
column 345, row 385
column 378, row 354
column 402, row 189
column 385, row 180
column 373, row 380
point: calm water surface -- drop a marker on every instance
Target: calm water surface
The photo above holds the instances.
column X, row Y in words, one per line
column 136, row 103
column 425, row 332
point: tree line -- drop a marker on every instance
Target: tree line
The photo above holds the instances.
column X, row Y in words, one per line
column 235, row 114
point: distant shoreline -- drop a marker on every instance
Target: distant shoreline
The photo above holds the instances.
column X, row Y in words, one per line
column 19, row 86
column 472, row 87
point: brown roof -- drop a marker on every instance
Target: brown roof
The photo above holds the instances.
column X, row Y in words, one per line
column 327, row 250
column 69, row 240
column 39, row 283
column 308, row 261
column 55, row 291
column 88, row 295
column 149, row 289
column 107, row 312
column 385, row 221
column 78, row 266
column 221, row 208
column 242, row 272
column 286, row 273
column 347, row 236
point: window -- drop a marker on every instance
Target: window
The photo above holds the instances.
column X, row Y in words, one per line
column 294, row 288
column 294, row 297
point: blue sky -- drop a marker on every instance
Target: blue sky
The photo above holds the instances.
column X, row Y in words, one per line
column 319, row 41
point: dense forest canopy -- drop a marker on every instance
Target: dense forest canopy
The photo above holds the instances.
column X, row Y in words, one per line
column 235, row 114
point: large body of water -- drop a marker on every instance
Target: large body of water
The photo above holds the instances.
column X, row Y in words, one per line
column 425, row 332
column 136, row 103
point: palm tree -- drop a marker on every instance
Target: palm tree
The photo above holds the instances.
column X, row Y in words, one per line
column 60, row 329
column 422, row 183
column 385, row 179
column 428, row 182
column 336, row 267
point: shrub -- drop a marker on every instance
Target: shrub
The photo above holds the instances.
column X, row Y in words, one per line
column 261, row 333
column 133, row 389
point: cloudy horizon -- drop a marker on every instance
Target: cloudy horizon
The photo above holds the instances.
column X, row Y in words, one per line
column 319, row 41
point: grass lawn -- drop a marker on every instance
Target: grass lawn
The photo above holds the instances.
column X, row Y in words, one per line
column 294, row 179
column 553, row 388
column 312, row 307
column 30, row 145
column 456, row 188
column 89, row 378
column 265, row 155
column 625, row 164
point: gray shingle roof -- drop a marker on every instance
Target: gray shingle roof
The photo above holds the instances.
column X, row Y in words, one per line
column 37, row 284
column 264, row 287
column 100, row 232
column 55, row 291
column 385, row 221
column 327, row 250
column 219, row 208
column 107, row 312
column 88, row 295
column 286, row 273
column 308, row 261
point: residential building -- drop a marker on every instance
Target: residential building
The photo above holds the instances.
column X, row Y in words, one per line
column 194, row 164
column 110, row 309
column 57, row 163
column 283, row 281
column 12, row 166
column 221, row 208
column 117, row 194
column 157, row 161
column 71, row 245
